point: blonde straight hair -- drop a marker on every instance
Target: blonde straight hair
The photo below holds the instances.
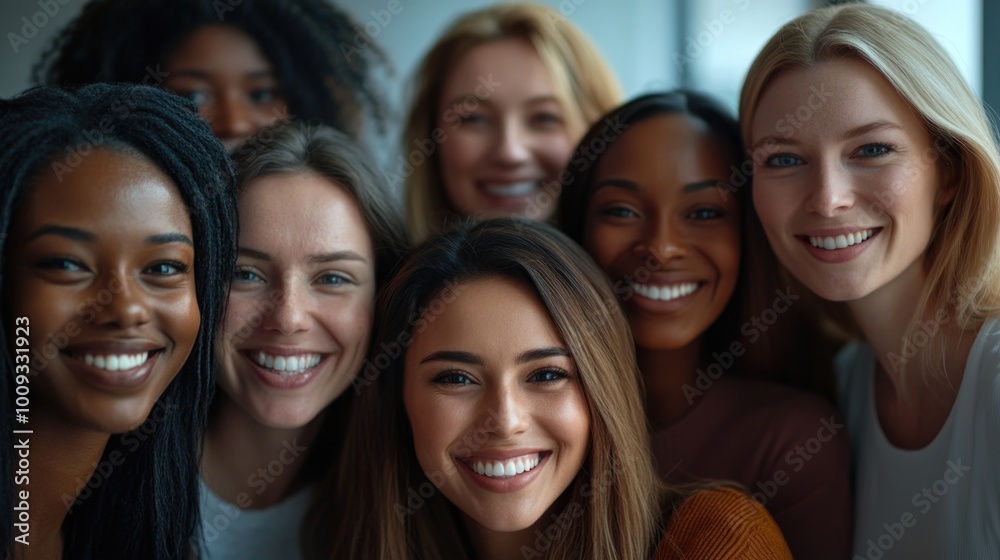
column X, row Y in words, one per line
column 380, row 505
column 963, row 257
column 584, row 84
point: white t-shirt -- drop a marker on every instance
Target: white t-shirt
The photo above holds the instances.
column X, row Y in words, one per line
column 941, row 502
column 231, row 533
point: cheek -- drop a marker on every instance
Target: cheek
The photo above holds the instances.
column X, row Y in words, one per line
column 182, row 318
column 555, row 153
column 349, row 323
column 768, row 205
column 243, row 315
column 569, row 422
column 604, row 244
column 461, row 153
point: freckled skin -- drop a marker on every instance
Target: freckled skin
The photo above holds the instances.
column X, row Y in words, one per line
column 324, row 307
column 825, row 180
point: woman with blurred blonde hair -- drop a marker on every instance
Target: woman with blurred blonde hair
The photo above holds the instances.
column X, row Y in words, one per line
column 500, row 102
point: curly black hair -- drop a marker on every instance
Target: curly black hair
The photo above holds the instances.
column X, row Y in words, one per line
column 325, row 63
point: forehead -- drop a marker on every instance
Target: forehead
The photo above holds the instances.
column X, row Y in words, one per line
column 107, row 188
column 497, row 318
column 301, row 211
column 511, row 66
column 668, row 145
column 828, row 98
column 218, row 47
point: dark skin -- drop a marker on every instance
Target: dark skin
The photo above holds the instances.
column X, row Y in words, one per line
column 101, row 261
column 659, row 217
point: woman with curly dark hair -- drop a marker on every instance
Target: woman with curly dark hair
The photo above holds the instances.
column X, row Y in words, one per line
column 247, row 64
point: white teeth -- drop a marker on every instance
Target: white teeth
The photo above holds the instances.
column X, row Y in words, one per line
column 512, row 190
column 840, row 241
column 116, row 362
column 286, row 365
column 665, row 293
column 512, row 467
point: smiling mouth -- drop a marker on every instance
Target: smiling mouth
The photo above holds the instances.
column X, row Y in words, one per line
column 115, row 362
column 285, row 366
column 665, row 292
column 511, row 190
column 504, row 468
column 833, row 243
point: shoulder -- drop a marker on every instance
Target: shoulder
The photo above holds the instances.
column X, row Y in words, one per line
column 720, row 524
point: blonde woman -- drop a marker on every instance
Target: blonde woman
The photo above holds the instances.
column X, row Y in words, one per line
column 877, row 182
column 500, row 102
column 502, row 418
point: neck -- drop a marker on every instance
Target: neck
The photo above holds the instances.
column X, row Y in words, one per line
column 884, row 317
column 62, row 459
column 913, row 394
column 669, row 376
column 250, row 464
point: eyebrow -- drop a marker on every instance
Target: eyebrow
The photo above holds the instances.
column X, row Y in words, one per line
column 204, row 75
column 870, row 127
column 633, row 186
column 619, row 183
column 311, row 259
column 847, row 135
column 472, row 359
column 165, row 238
column 458, row 99
column 74, row 234
column 699, row 185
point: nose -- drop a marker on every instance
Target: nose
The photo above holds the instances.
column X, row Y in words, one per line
column 291, row 311
column 661, row 239
column 232, row 117
column 513, row 144
column 508, row 415
column 832, row 192
column 121, row 304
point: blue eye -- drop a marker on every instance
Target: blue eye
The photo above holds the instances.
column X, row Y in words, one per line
column 549, row 375
column 245, row 276
column 782, row 160
column 167, row 268
column 874, row 150
column 705, row 214
column 333, row 280
column 452, row 378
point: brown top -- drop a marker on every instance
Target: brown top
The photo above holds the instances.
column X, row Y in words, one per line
column 722, row 525
column 788, row 448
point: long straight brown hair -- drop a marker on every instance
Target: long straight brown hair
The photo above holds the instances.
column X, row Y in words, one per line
column 380, row 505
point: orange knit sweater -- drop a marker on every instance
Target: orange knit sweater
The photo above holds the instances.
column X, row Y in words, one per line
column 722, row 525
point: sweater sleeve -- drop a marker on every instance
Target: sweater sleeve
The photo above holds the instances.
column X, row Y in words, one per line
column 722, row 525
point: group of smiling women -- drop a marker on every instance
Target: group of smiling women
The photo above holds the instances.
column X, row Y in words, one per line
column 599, row 330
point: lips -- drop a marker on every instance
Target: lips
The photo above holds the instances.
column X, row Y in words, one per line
column 519, row 189
column 285, row 364
column 114, row 365
column 500, row 468
column 665, row 292
column 841, row 241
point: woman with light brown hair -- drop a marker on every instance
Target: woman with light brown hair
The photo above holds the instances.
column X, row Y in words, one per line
column 877, row 181
column 501, row 416
column 499, row 103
